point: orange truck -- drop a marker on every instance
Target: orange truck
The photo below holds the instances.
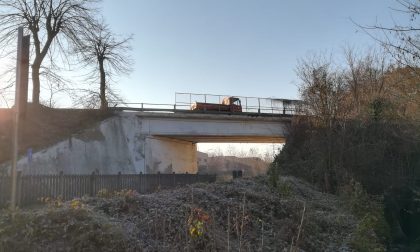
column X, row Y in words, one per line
column 229, row 104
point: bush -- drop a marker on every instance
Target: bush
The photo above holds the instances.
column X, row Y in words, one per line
column 372, row 232
column 377, row 154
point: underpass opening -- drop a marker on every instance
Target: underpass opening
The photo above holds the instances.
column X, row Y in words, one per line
column 225, row 158
column 215, row 154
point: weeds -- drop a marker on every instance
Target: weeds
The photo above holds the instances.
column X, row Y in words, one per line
column 372, row 232
column 245, row 215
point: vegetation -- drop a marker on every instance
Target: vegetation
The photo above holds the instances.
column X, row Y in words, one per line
column 360, row 131
column 245, row 214
column 360, row 137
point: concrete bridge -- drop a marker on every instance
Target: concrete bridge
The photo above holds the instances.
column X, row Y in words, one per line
column 133, row 142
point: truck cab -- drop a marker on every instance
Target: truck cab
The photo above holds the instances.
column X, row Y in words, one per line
column 234, row 103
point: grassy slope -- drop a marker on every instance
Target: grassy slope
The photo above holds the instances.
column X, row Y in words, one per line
column 244, row 213
column 44, row 126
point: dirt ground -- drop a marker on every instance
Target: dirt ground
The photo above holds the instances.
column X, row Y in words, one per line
column 42, row 126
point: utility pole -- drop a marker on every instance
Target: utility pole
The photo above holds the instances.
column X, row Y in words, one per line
column 22, row 69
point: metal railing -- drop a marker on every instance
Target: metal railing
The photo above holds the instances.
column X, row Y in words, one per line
column 250, row 105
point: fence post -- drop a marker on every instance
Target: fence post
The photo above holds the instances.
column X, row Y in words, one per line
column 140, row 182
column 158, row 177
column 19, row 188
column 61, row 185
column 119, row 183
column 173, row 180
column 92, row 184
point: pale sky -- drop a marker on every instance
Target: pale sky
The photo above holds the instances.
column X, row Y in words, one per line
column 235, row 47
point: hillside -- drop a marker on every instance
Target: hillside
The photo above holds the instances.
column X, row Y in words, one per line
column 44, row 126
column 243, row 214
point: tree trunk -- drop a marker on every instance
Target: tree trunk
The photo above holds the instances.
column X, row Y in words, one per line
column 104, row 103
column 35, row 83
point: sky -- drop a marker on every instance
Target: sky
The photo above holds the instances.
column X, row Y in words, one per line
column 234, row 47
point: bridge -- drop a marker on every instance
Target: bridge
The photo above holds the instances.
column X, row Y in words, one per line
column 149, row 142
column 170, row 139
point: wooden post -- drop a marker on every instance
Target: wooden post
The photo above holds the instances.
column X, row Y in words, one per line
column 24, row 73
column 119, row 184
column 61, row 184
column 173, row 180
column 22, row 56
column 92, row 184
column 141, row 190
column 158, row 179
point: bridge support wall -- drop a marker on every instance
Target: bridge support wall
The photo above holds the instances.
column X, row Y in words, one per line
column 169, row 155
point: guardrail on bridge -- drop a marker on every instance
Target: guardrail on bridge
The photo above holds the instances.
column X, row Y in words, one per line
column 250, row 105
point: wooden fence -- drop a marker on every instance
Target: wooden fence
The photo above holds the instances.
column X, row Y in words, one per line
column 30, row 188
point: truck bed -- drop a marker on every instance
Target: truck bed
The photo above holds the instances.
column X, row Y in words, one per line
column 201, row 106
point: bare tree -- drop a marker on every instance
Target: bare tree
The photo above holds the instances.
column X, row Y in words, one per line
column 321, row 88
column 365, row 78
column 401, row 40
column 50, row 22
column 3, row 94
column 108, row 54
column 323, row 91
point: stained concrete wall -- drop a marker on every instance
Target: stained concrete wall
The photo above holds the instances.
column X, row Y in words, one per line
column 115, row 145
column 146, row 142
column 169, row 155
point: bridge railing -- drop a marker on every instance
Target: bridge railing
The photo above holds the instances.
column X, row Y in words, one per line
column 249, row 104
column 184, row 101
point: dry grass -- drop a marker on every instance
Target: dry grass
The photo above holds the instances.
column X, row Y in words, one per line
column 243, row 215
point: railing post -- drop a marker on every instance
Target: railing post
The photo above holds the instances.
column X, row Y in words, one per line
column 246, row 104
column 92, row 184
column 272, row 109
column 259, row 106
